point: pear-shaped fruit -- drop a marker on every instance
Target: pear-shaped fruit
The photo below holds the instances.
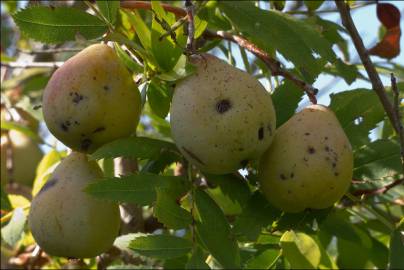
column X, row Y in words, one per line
column 25, row 154
column 221, row 117
column 309, row 164
column 91, row 100
column 66, row 221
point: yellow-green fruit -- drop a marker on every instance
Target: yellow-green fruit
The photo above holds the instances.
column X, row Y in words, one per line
column 25, row 155
column 91, row 100
column 309, row 164
column 65, row 221
column 221, row 117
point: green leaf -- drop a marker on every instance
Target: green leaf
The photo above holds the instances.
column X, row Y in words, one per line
column 377, row 160
column 58, row 24
column 141, row 29
column 197, row 260
column 133, row 147
column 300, row 250
column 159, row 96
column 338, row 224
column 131, row 64
column 396, row 254
column 272, row 30
column 263, row 260
column 140, row 188
column 346, row 71
column 214, row 230
column 258, row 213
column 161, row 246
column 5, row 201
column 358, row 111
column 45, row 168
column 157, row 165
column 109, row 9
column 12, row 232
column 231, row 194
column 313, row 5
column 168, row 212
column 286, row 99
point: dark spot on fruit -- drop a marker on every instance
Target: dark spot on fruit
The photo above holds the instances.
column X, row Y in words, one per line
column 64, row 127
column 325, row 138
column 311, row 150
column 289, row 192
column 249, row 105
column 302, row 185
column 327, row 158
column 99, row 129
column 260, row 133
column 244, row 163
column 336, row 173
column 37, row 107
column 77, row 98
column 192, row 155
column 282, row 176
column 241, row 149
column 332, row 188
column 82, row 135
column 76, row 122
column 334, row 165
column 305, row 159
column 85, row 144
column 223, row 106
column 106, row 87
column 307, row 133
column 327, row 149
column 299, row 119
column 292, row 175
column 50, row 183
column 94, row 78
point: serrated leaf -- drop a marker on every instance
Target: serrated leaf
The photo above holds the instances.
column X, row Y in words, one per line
column 161, row 246
column 197, row 260
column 131, row 64
column 300, row 250
column 140, row 27
column 286, row 99
column 256, row 214
column 263, row 260
column 168, row 212
column 214, row 230
column 133, row 147
column 58, row 24
column 139, row 189
column 159, row 96
column 396, row 253
column 11, row 233
column 377, row 160
column 109, row 9
column 157, row 165
column 271, row 30
column 358, row 111
column 346, row 71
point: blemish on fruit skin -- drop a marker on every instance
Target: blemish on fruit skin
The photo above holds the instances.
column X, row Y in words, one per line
column 65, row 126
column 99, row 129
column 192, row 155
column 50, row 183
column 85, row 144
column 292, row 175
column 307, row 133
column 260, row 133
column 106, row 87
column 77, row 97
column 326, row 148
column 336, row 173
column 282, row 176
column 311, row 150
column 223, row 106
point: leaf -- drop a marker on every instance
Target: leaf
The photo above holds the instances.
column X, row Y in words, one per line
column 358, row 111
column 264, row 260
column 158, row 165
column 396, row 254
column 338, row 224
column 109, row 9
column 388, row 14
column 168, row 212
column 133, row 147
column 45, row 168
column 139, row 189
column 286, row 99
column 214, row 230
column 161, row 246
column 11, row 233
column 141, row 29
column 197, row 260
column 377, row 160
column 131, row 64
column 21, row 128
column 348, row 72
column 313, row 5
column 389, row 46
column 58, row 24
column 159, row 95
column 5, row 202
column 300, row 250
column 272, row 30
column 257, row 213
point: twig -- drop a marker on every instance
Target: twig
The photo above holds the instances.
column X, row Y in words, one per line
column 273, row 64
column 382, row 190
column 189, row 7
column 364, row 56
column 33, row 64
column 396, row 95
column 55, row 50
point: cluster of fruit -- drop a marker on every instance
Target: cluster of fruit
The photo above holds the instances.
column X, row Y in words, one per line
column 221, row 118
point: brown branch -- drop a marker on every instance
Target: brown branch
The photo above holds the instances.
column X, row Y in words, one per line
column 382, row 190
column 396, row 95
column 367, row 63
column 273, row 64
column 189, row 7
column 179, row 12
column 33, row 64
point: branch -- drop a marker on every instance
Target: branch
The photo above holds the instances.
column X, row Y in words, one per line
column 55, row 50
column 273, row 64
column 382, row 190
column 398, row 116
column 367, row 63
column 189, row 7
column 33, row 64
